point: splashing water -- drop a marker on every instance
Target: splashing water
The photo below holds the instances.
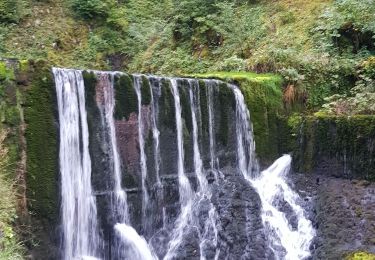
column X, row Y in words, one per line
column 79, row 220
column 136, row 246
column 272, row 185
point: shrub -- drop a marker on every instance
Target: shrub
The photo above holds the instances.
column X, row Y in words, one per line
column 89, row 9
column 11, row 11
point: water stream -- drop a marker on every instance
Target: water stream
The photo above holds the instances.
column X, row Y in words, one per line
column 168, row 161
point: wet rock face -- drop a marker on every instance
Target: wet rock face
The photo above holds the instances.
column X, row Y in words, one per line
column 342, row 212
column 241, row 233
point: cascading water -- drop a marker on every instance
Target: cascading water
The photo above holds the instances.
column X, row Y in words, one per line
column 287, row 242
column 78, row 205
column 170, row 155
column 120, row 206
column 273, row 189
column 209, row 234
column 209, row 93
column 185, row 190
column 145, row 197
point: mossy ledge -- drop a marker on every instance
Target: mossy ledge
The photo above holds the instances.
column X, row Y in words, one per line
column 334, row 145
column 263, row 97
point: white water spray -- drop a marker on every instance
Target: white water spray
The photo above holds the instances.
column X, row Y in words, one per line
column 270, row 185
column 136, row 246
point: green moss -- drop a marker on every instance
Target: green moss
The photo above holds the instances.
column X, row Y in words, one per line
column 263, row 97
column 264, row 78
column 24, row 65
column 226, row 98
column 341, row 141
column 90, row 80
column 264, row 100
column 203, row 102
column 360, row 255
column 145, row 91
column 183, row 89
column 6, row 73
column 167, row 108
column 42, row 147
column 125, row 96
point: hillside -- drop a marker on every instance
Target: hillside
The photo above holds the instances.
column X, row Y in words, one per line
column 320, row 47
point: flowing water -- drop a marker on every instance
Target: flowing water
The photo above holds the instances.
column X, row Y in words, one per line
column 78, row 205
column 170, row 165
column 145, row 197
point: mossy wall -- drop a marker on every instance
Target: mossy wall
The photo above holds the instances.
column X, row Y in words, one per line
column 263, row 97
column 28, row 113
column 339, row 146
column 27, row 98
column 10, row 115
column 42, row 141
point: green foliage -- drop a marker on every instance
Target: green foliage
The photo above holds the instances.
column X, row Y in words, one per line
column 10, row 248
column 361, row 98
column 90, row 9
column 348, row 25
column 11, row 11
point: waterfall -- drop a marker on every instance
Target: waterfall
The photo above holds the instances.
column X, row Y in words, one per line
column 136, row 246
column 160, row 194
column 209, row 234
column 273, row 189
column 286, row 241
column 120, row 206
column 186, row 192
column 78, row 205
column 145, row 198
column 211, row 120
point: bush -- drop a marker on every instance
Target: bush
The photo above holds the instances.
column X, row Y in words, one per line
column 11, row 11
column 90, row 9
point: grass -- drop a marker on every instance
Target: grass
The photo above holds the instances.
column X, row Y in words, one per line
column 10, row 248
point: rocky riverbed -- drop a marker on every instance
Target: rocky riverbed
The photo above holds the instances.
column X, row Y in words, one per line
column 343, row 213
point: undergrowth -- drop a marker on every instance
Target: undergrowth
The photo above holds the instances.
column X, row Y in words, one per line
column 10, row 247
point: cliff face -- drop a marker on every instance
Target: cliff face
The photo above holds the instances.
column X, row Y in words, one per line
column 334, row 146
column 322, row 146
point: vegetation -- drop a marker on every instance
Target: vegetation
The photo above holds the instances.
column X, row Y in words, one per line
column 321, row 48
column 10, row 248
column 360, row 256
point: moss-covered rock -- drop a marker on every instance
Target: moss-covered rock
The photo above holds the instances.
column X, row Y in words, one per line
column 42, row 144
column 263, row 97
column 360, row 256
column 340, row 146
column 145, row 91
column 125, row 96
column 167, row 107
